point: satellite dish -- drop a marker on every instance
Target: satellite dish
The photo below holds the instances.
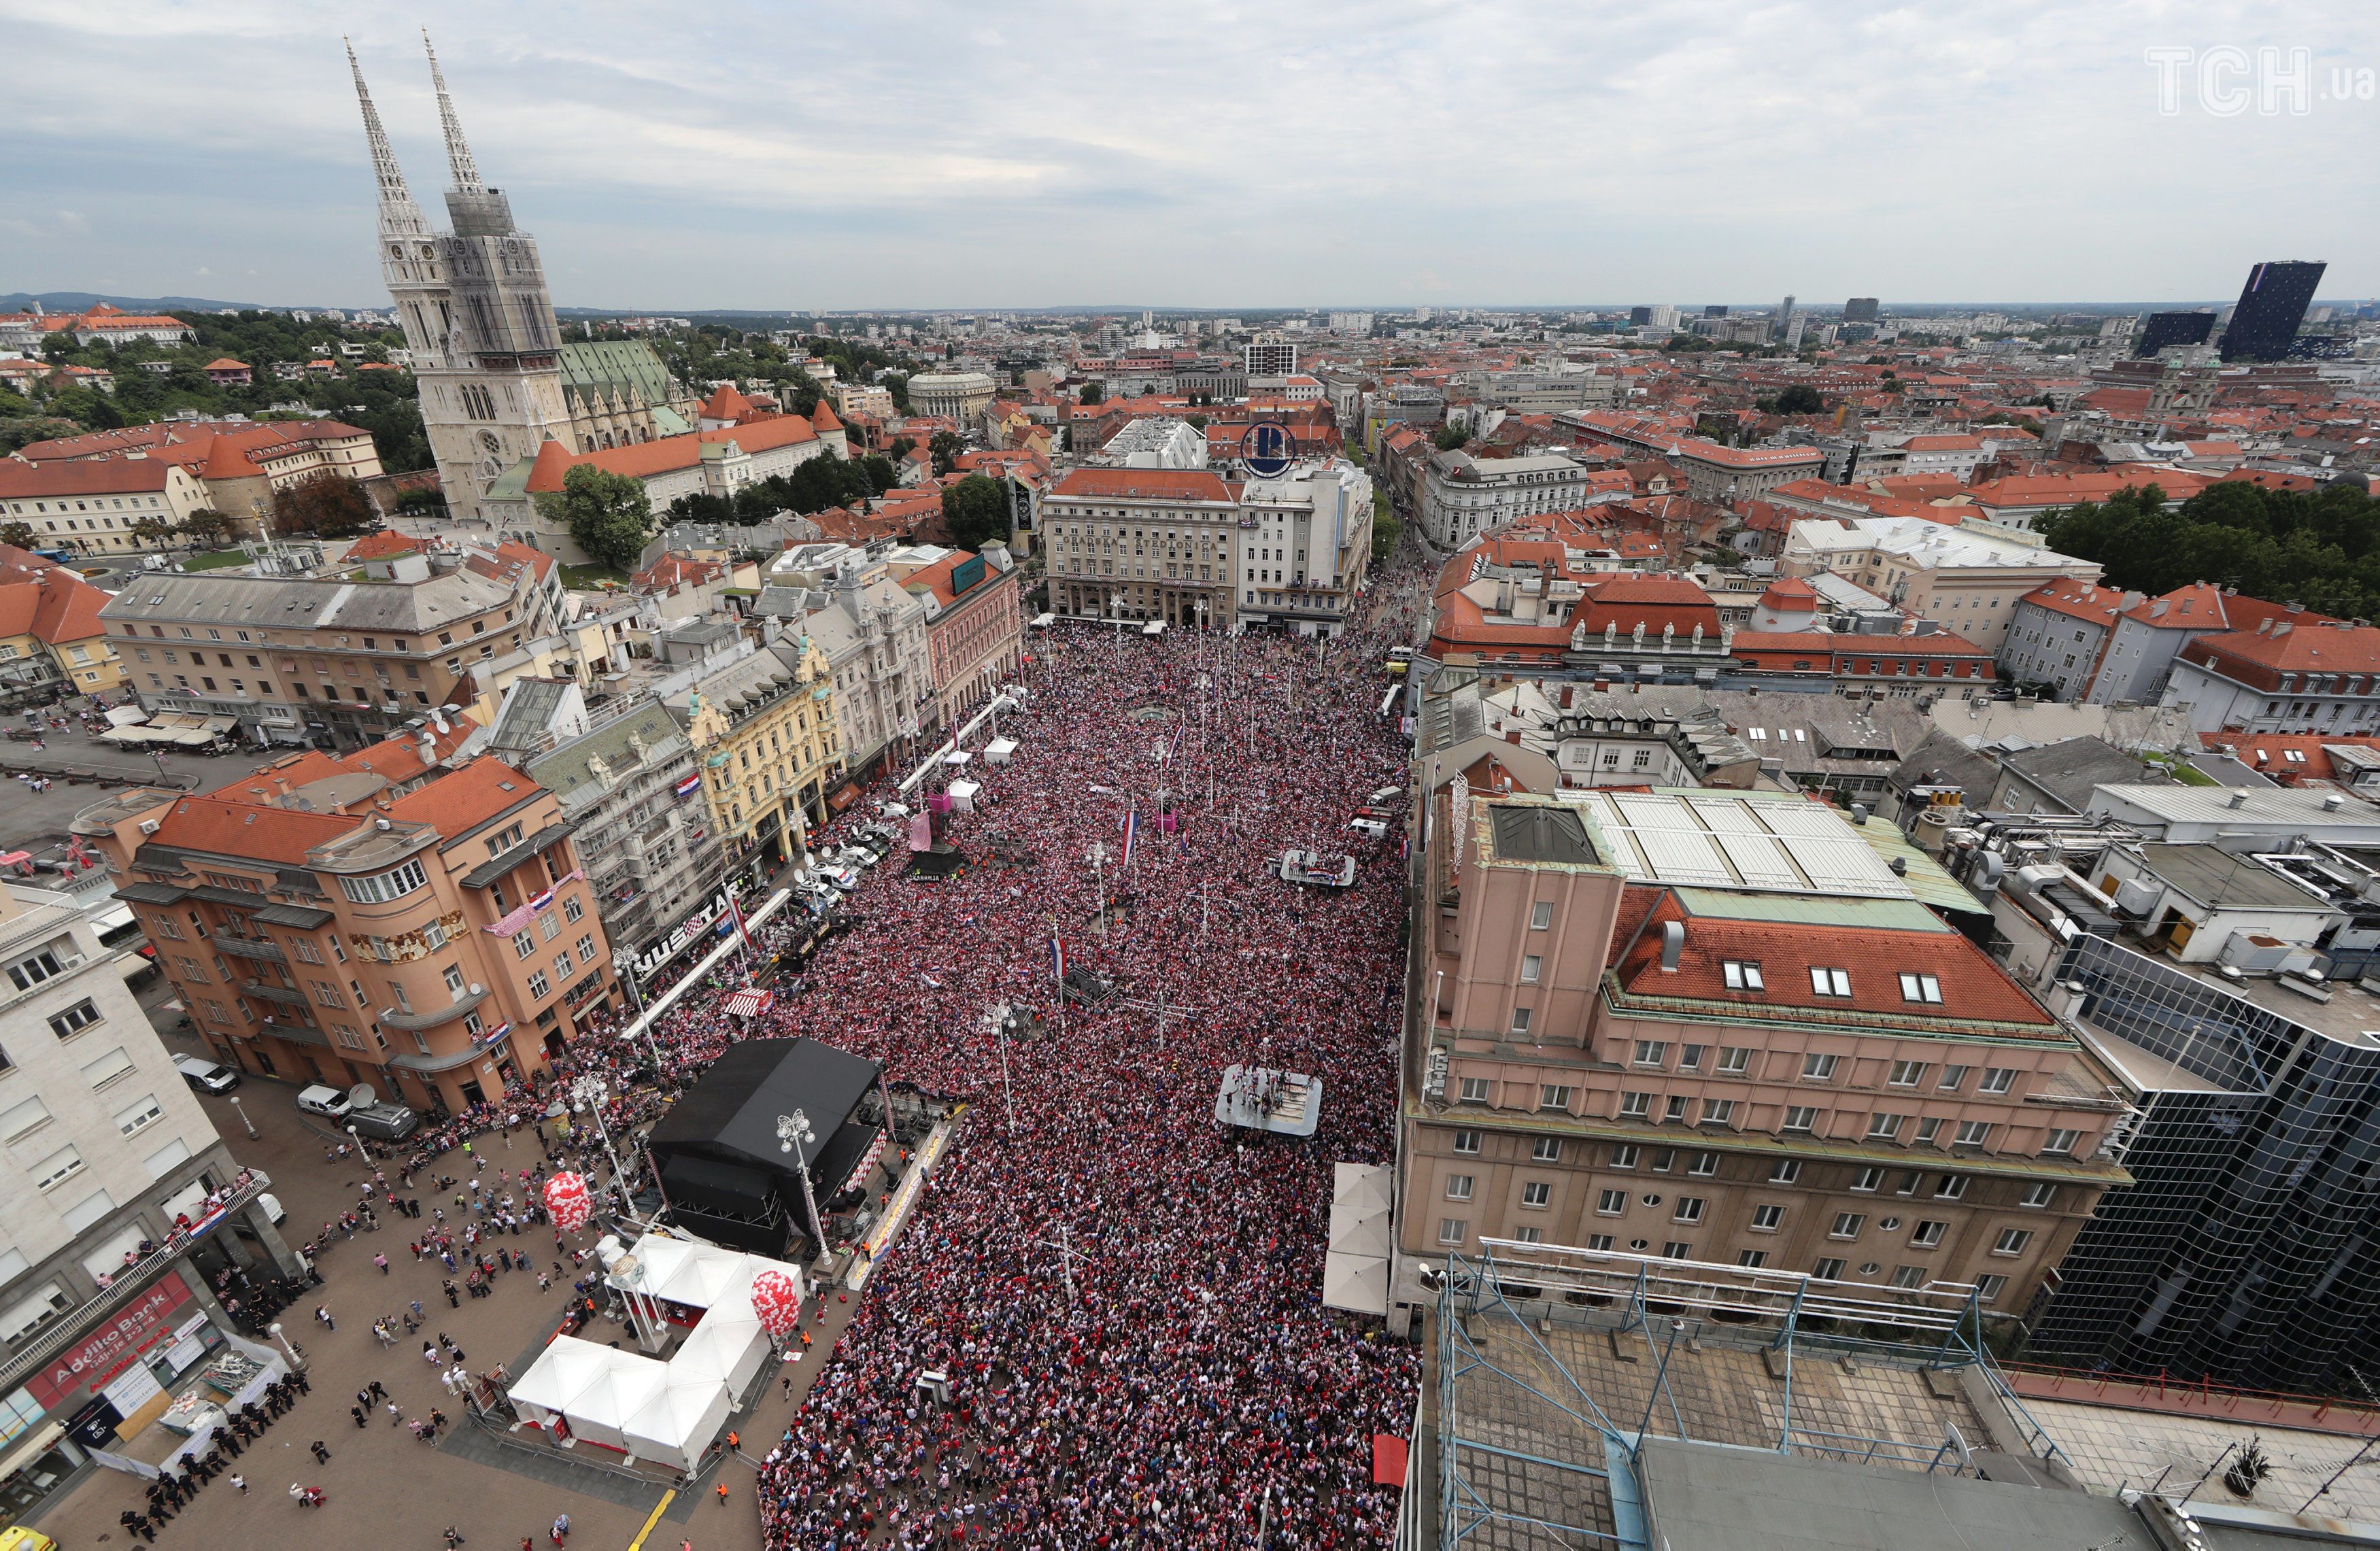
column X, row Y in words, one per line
column 361, row 1096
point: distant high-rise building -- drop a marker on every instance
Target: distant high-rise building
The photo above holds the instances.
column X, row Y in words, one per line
column 1784, row 324
column 1661, row 316
column 1640, row 316
column 2164, row 331
column 2271, row 306
column 1270, row 356
column 1860, row 310
column 1715, row 309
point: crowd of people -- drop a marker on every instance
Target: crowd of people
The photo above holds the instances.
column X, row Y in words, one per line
column 1126, row 1296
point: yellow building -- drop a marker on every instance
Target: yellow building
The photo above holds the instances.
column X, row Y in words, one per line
column 51, row 643
column 766, row 731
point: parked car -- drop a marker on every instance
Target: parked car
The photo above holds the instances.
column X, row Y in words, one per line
column 329, row 1103
column 843, row 878
column 206, row 1075
column 383, row 1123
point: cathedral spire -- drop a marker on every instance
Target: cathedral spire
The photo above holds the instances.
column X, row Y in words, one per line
column 398, row 213
column 459, row 153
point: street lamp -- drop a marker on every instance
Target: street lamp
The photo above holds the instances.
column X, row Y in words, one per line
column 624, row 959
column 791, row 1129
column 588, row 1094
column 274, row 1331
column 243, row 1117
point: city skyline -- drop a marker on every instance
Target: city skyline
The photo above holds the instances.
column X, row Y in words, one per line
column 1260, row 166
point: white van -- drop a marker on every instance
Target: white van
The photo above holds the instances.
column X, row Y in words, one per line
column 328, row 1102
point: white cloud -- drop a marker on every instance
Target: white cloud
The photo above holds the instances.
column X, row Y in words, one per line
column 1223, row 154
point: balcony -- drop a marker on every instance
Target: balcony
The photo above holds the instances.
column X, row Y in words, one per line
column 287, row 995
column 123, row 1286
column 249, row 948
column 414, row 1023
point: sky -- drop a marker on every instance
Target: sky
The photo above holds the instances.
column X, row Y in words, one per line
column 1383, row 153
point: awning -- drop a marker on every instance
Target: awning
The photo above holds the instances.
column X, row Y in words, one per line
column 33, row 1447
column 843, row 796
column 751, row 1002
column 1355, row 1261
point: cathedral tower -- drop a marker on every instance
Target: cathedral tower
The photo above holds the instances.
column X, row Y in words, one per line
column 476, row 314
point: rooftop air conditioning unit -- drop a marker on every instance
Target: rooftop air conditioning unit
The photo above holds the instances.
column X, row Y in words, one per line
column 149, row 825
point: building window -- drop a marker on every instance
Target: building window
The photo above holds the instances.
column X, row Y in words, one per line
column 1830, row 982
column 1868, row 1179
column 1519, row 1020
column 1677, row 1249
column 1611, row 1202
column 1598, row 1241
column 1800, row 1117
column 1545, row 1149
column 1929, row 1129
column 1950, row 1187
column 1718, row 1111
column 1996, row 1079
column 1475, row 1090
column 1973, row 1133
column 1674, row 1111
column 1467, row 1143
column 1883, row 1128
column 1623, row 1157
column 2060, row 1140
column 1690, row 1209
column 1458, row 1187
column 1828, row 1270
column 1912, row 1277
column 2012, row 1240
column 1847, row 1225
column 1734, row 1060
column 1536, row 1193
column 1453, row 1230
column 1532, row 967
column 537, row 985
column 1817, row 1067
column 75, row 1018
column 1925, row 1235
column 1703, row 1164
column 59, row 1167
column 1988, row 1288
column 1768, row 1220
column 1651, row 1052
column 1751, row 1260
column 571, row 909
column 394, row 884
column 1690, row 1058
column 1785, row 1172
column 1921, row 988
column 137, row 1117
column 27, row 973
column 1541, row 915
column 1741, row 976
column 1551, row 1096
column 2038, row 1195
column 1907, row 1073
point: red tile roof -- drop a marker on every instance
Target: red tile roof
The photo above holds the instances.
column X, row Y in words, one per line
column 378, row 546
column 1973, row 986
column 227, row 827
column 2080, row 600
column 111, row 477
column 1163, row 484
column 462, row 798
column 2300, row 644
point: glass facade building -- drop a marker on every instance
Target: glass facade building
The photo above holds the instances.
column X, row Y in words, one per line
column 2272, row 304
column 2247, row 1250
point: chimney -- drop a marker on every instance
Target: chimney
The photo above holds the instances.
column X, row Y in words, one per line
column 1674, row 945
column 281, row 784
column 2239, row 799
column 1512, row 736
column 2333, row 802
column 1565, row 698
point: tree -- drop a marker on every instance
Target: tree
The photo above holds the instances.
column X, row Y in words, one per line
column 422, row 501
column 882, row 475
column 976, row 510
column 151, row 529
column 1448, row 438
column 1092, row 392
column 1801, row 399
column 322, row 508
column 207, row 526
column 945, row 447
column 19, row 533
column 609, row 514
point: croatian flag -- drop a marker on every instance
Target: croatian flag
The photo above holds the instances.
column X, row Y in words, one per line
column 1173, row 745
column 690, row 785
column 735, row 913
column 1131, row 833
column 1057, row 958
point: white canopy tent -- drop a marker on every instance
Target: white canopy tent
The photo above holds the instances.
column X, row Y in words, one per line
column 961, row 794
column 678, row 1421
column 628, row 1384
column 567, row 1366
column 999, row 751
column 1355, row 1259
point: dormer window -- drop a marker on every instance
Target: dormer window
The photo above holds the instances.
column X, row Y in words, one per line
column 1830, row 982
column 1921, row 988
column 1741, row 976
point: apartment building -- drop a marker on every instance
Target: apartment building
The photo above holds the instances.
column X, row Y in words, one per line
column 106, row 1149
column 1462, row 497
column 765, row 730
column 1305, row 549
column 241, row 465
column 52, row 642
column 1144, row 543
column 955, row 395
column 93, row 508
column 434, row 935
column 974, row 622
column 1716, row 1026
column 1968, row 581
column 630, row 785
column 2294, row 672
column 346, row 661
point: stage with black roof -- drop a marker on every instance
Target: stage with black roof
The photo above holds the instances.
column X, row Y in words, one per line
column 725, row 1168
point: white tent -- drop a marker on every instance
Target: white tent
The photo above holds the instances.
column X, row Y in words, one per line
column 698, row 1276
column 725, row 1349
column 567, row 1366
column 678, row 1424
column 1356, row 1260
column 999, row 751
column 628, row 1384
column 961, row 794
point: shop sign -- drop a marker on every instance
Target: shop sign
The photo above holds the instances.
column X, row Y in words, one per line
column 104, row 1353
column 693, row 929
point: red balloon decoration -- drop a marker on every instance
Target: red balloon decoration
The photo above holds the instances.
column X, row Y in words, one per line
column 566, row 1198
column 776, row 1301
